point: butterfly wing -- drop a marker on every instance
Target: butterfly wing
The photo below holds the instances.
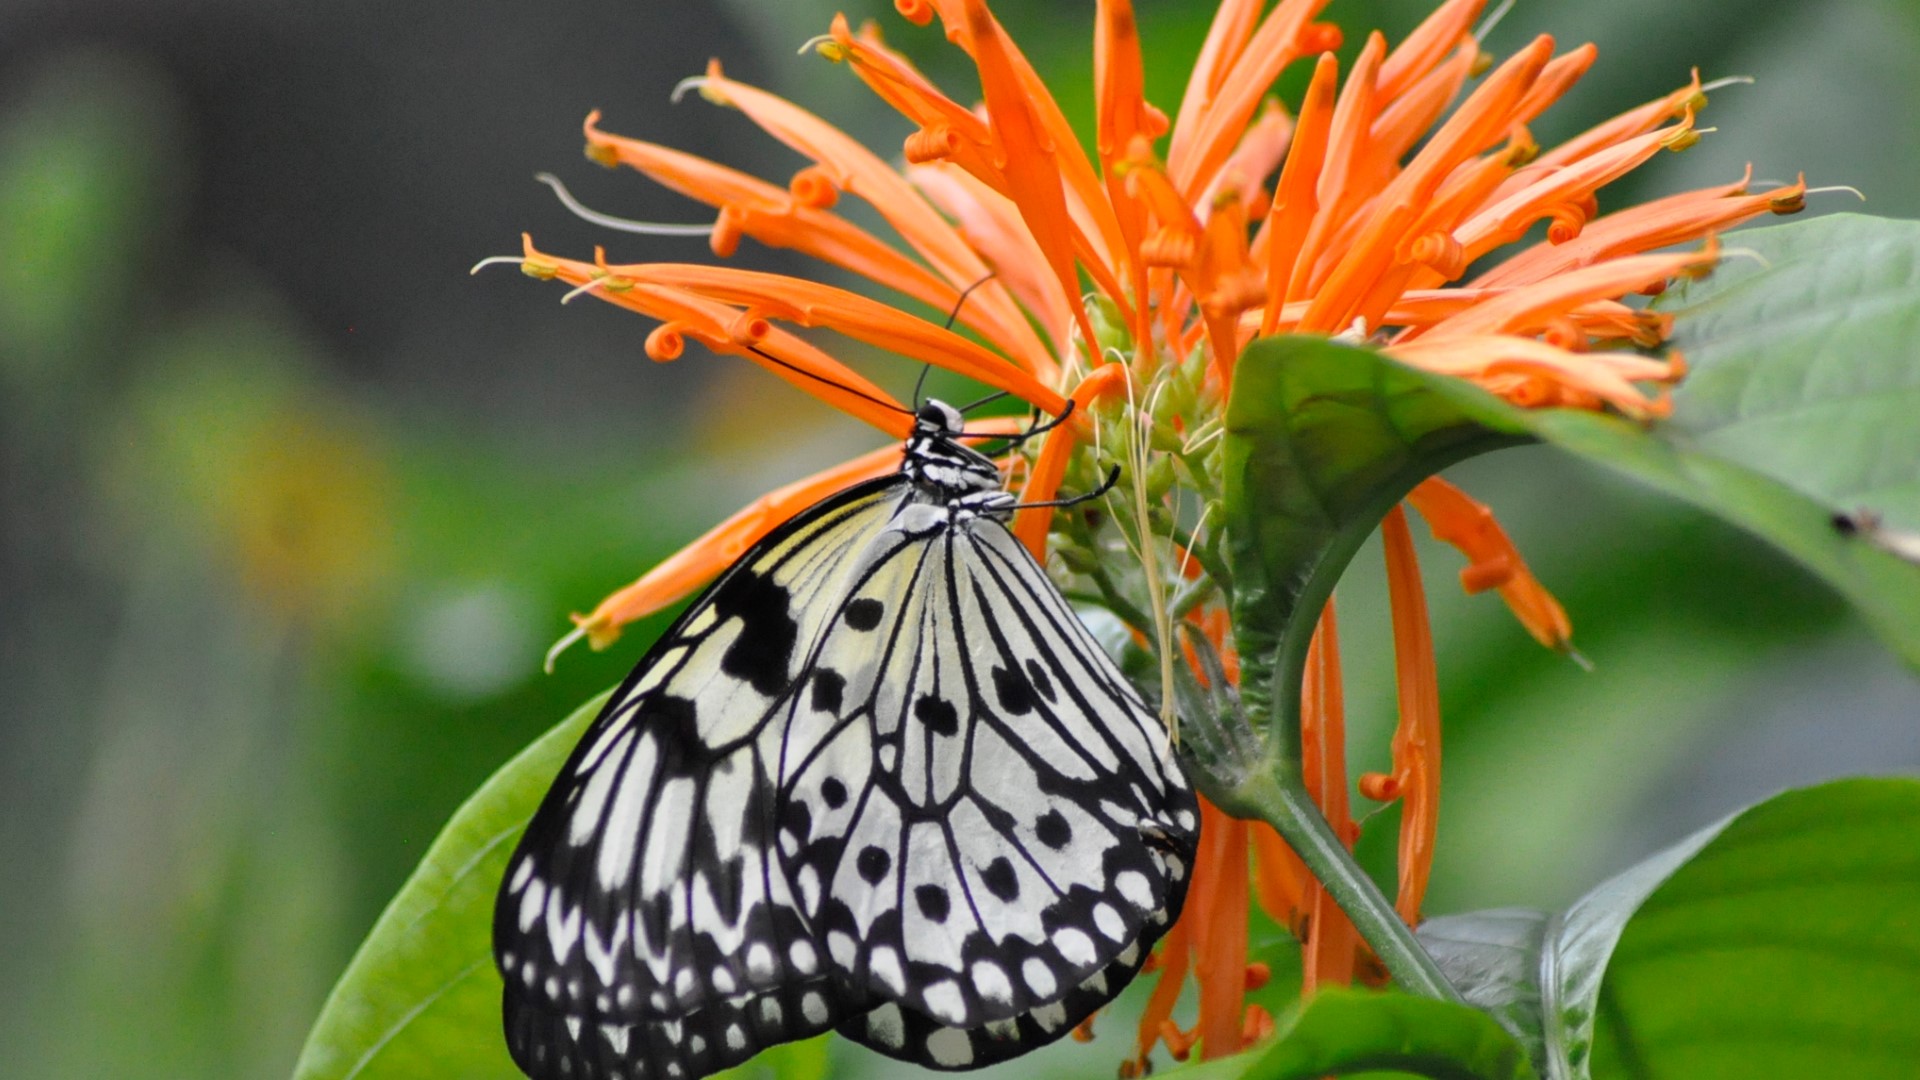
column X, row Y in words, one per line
column 914, row 1036
column 1022, row 831
column 643, row 914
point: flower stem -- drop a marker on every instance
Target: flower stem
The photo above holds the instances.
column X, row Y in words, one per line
column 1279, row 798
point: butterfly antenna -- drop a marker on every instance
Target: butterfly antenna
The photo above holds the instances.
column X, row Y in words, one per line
column 961, row 301
column 920, row 383
column 990, row 398
column 1113, row 477
column 958, row 303
column 1042, row 429
column 817, row 377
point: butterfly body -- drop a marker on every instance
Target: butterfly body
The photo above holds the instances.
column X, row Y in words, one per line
column 877, row 778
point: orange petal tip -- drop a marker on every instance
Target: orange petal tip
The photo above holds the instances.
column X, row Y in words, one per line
column 1380, row 787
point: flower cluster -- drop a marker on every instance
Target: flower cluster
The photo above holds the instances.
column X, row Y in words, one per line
column 1129, row 277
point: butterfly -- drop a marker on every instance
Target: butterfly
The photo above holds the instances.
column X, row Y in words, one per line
column 878, row 778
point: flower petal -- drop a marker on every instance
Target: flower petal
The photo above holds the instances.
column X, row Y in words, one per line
column 685, row 571
column 810, row 303
column 1416, row 740
column 855, row 169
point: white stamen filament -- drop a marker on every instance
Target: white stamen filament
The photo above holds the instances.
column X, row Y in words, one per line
column 495, row 260
column 563, row 645
column 620, row 224
column 1487, row 24
column 587, row 287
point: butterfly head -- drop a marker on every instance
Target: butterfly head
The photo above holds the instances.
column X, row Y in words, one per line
column 936, row 458
column 936, row 417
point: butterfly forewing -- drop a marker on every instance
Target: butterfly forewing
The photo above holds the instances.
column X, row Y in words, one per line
column 878, row 777
column 644, row 886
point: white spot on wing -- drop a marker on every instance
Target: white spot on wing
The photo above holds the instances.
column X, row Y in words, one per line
column 531, row 903
column 1039, row 977
column 759, row 960
column 944, row 1002
column 990, row 979
column 562, row 931
column 616, row 1036
column 841, row 947
column 802, row 956
column 1075, row 946
column 885, row 965
column 601, row 954
column 950, row 1047
column 887, row 1027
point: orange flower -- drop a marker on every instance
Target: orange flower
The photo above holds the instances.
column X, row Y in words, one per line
column 1368, row 212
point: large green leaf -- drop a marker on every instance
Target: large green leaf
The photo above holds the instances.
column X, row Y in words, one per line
column 421, row 997
column 1805, row 361
column 1781, row 941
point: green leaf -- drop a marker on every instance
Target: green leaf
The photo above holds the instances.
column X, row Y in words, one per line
column 1494, row 959
column 1338, row 1032
column 1322, row 439
column 1805, row 361
column 1780, row 941
column 1789, row 946
column 421, row 997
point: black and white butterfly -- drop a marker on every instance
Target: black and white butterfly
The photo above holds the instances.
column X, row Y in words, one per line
column 878, row 779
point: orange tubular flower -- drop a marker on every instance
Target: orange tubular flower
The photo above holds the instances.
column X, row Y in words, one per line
column 1169, row 246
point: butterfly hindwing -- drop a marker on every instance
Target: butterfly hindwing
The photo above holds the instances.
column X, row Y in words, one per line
column 913, row 1036
column 644, row 888
column 995, row 859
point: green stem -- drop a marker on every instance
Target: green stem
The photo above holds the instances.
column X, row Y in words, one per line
column 1279, row 798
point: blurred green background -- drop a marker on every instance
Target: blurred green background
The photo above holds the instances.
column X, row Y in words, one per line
column 290, row 506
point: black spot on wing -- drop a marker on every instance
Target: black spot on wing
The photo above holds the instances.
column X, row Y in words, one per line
column 1053, row 830
column 864, row 613
column 796, row 820
column 1013, row 690
column 762, row 652
column 934, row 902
column 939, row 716
column 676, row 730
column 834, row 792
column 873, row 863
column 1001, row 880
column 828, row 687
